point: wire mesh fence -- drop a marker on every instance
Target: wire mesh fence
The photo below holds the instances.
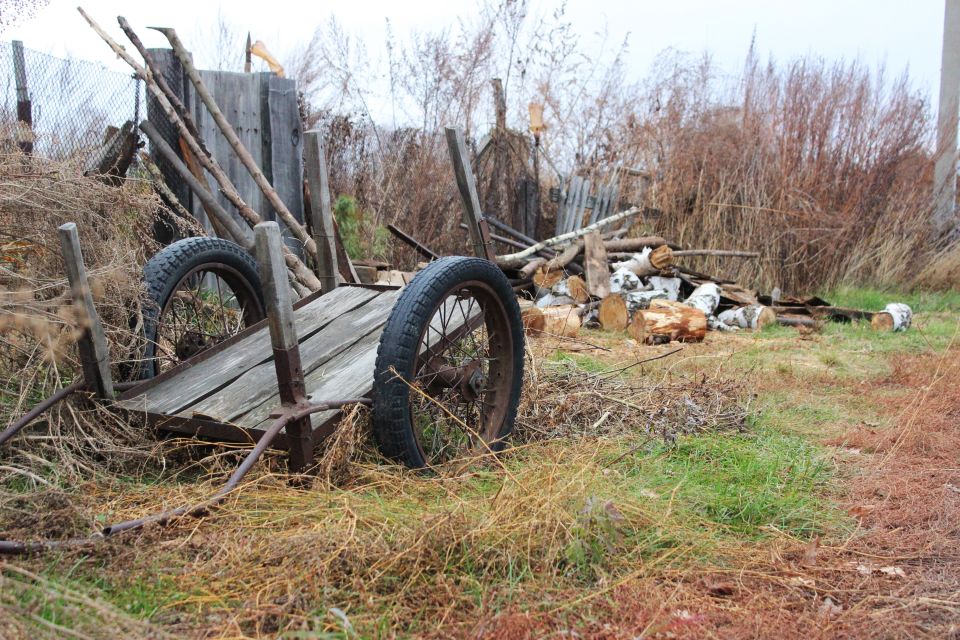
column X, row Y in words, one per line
column 71, row 102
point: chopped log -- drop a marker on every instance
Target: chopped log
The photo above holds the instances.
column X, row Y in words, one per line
column 533, row 319
column 544, row 281
column 624, row 280
column 638, row 328
column 670, row 285
column 641, row 299
column 676, row 321
column 896, row 316
column 561, row 321
column 648, row 262
column 613, row 315
column 573, row 287
column 754, row 316
column 595, row 266
column 706, row 297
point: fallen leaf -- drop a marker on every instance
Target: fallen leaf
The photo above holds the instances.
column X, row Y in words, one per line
column 893, row 571
column 719, row 588
column 800, row 581
column 864, row 570
column 810, row 553
column 829, row 607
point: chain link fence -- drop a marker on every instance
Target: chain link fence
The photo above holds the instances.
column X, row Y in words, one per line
column 71, row 102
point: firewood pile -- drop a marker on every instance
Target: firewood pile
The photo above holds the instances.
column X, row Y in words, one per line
column 640, row 286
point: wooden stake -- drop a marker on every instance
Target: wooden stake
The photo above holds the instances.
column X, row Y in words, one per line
column 321, row 213
column 283, row 336
column 93, row 346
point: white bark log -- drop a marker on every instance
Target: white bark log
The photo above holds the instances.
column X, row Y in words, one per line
column 670, row 285
column 624, row 280
column 639, row 264
column 902, row 315
column 706, row 297
column 747, row 317
column 638, row 300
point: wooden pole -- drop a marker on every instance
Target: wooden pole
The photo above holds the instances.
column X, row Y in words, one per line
column 945, row 170
column 94, row 350
column 467, row 184
column 516, row 259
column 24, row 105
column 413, row 243
column 321, row 213
column 283, row 336
column 210, row 204
column 297, row 229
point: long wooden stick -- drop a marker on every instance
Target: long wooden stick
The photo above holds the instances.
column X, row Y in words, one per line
column 296, row 266
column 516, row 259
column 297, row 229
column 717, row 252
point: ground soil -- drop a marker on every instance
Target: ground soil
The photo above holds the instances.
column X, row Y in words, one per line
column 896, row 576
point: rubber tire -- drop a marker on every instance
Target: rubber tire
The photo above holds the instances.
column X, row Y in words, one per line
column 168, row 266
column 399, row 343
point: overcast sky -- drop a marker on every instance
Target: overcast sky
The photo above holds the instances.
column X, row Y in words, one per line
column 899, row 33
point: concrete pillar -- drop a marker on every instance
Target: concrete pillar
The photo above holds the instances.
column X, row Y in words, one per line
column 945, row 173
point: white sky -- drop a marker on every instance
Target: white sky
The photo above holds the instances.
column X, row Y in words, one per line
column 900, row 33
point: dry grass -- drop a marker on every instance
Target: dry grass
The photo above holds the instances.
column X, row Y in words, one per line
column 38, row 326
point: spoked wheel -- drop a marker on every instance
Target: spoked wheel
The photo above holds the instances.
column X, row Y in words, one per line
column 202, row 291
column 450, row 365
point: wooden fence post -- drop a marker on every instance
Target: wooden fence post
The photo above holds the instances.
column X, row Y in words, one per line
column 283, row 335
column 321, row 213
column 467, row 184
column 93, row 347
column 24, row 105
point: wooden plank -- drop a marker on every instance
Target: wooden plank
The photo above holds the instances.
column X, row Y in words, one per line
column 595, row 265
column 249, row 389
column 350, row 373
column 467, row 185
column 600, row 205
column 569, row 203
column 321, row 212
column 24, row 105
column 94, row 350
column 197, row 382
column 581, row 205
column 282, row 153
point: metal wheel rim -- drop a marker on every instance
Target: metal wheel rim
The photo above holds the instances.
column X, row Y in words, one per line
column 247, row 300
column 494, row 330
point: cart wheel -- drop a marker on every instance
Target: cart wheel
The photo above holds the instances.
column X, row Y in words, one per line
column 449, row 366
column 201, row 291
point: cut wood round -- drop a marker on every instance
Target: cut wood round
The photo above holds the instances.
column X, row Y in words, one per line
column 677, row 321
column 638, row 327
column 533, row 319
column 661, row 257
column 613, row 315
column 896, row 316
column 561, row 321
column 882, row 321
column 543, row 281
column 577, row 289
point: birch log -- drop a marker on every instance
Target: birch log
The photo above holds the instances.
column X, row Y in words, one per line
column 753, row 316
column 706, row 297
column 648, row 261
column 896, row 316
column 514, row 260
